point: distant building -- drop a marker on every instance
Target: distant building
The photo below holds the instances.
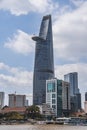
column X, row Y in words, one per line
column 86, row 96
column 72, row 78
column 44, row 61
column 26, row 103
column 58, row 96
column 85, row 103
column 78, row 95
column 2, row 96
column 17, row 100
column 75, row 95
column 85, row 106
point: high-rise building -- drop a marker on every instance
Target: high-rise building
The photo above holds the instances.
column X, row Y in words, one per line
column 26, row 103
column 85, row 103
column 72, row 78
column 85, row 107
column 2, row 95
column 58, row 96
column 78, row 95
column 17, row 100
column 86, row 96
column 44, row 63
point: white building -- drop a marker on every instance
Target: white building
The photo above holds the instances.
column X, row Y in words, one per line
column 58, row 96
column 46, row 110
column 2, row 96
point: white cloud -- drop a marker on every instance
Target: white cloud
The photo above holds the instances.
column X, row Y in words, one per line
column 21, row 42
column 15, row 80
column 15, row 77
column 17, row 7
column 77, row 2
column 81, row 68
column 70, row 34
column 3, row 66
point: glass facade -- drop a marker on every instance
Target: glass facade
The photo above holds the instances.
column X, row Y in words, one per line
column 59, row 98
column 72, row 78
column 86, row 96
column 44, row 63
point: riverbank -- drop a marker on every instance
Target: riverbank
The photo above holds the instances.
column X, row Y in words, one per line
column 40, row 127
column 33, row 122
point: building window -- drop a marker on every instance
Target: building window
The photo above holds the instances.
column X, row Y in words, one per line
column 53, row 101
column 51, row 87
column 53, row 95
column 54, row 106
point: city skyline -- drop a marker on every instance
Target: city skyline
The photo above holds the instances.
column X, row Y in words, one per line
column 20, row 20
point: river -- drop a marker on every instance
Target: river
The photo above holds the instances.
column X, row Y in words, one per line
column 41, row 127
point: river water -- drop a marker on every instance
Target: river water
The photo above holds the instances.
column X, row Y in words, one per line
column 41, row 127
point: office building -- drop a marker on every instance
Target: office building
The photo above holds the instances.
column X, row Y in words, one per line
column 78, row 95
column 58, row 96
column 2, row 96
column 17, row 100
column 85, row 103
column 26, row 103
column 86, row 96
column 72, row 78
column 44, row 63
column 85, row 107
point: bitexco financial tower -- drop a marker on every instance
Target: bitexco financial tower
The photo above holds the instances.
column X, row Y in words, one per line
column 44, row 61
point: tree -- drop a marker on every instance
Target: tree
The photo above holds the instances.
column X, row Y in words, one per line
column 33, row 112
column 13, row 116
column 1, row 116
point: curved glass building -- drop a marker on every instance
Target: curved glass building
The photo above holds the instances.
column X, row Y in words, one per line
column 44, row 63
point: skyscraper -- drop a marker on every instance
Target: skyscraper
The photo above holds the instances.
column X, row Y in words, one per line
column 85, row 103
column 72, row 78
column 86, row 96
column 44, row 63
column 2, row 95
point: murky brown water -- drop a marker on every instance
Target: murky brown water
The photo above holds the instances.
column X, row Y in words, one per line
column 41, row 127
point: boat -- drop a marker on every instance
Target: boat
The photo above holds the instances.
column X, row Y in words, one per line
column 62, row 120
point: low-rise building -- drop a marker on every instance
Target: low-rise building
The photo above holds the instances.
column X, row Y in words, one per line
column 46, row 110
column 20, row 110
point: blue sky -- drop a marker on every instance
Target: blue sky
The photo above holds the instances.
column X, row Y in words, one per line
column 19, row 20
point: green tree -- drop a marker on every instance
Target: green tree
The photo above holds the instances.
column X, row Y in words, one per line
column 33, row 112
column 13, row 116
